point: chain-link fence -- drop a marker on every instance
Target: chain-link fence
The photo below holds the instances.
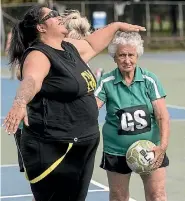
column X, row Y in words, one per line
column 162, row 19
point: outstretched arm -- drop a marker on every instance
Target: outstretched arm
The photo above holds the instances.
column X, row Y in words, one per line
column 100, row 39
column 34, row 73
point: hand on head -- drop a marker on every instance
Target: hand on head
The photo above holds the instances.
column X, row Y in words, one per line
column 131, row 27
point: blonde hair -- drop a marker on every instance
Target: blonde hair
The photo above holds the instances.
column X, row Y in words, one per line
column 78, row 26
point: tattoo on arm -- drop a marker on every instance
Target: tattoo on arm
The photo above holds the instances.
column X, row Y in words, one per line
column 25, row 92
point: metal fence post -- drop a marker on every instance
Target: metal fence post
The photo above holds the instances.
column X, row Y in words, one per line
column 181, row 22
column 115, row 12
column 148, row 20
column 2, row 39
column 83, row 8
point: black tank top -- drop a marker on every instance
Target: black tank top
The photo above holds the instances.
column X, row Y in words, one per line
column 65, row 109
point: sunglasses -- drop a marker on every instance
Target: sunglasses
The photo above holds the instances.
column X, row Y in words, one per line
column 51, row 14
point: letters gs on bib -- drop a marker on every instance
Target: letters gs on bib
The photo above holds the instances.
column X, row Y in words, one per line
column 134, row 120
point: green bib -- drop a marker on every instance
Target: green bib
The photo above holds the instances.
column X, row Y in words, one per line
column 130, row 115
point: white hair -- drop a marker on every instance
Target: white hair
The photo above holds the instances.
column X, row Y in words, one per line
column 126, row 38
column 78, row 26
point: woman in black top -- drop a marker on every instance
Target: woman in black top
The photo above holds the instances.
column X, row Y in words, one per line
column 78, row 27
column 59, row 144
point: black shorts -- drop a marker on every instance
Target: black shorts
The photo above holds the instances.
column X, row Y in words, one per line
column 17, row 141
column 67, row 181
column 118, row 164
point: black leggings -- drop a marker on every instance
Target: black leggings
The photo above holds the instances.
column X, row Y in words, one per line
column 70, row 180
column 17, row 141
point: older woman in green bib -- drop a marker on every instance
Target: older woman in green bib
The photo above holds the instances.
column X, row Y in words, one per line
column 125, row 90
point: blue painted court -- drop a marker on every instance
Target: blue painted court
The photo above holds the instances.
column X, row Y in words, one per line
column 16, row 188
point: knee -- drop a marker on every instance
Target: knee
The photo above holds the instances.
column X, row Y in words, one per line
column 119, row 195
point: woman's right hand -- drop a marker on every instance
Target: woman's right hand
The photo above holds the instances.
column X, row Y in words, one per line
column 16, row 114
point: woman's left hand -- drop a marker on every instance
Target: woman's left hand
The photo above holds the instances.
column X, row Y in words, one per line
column 159, row 153
column 130, row 27
column 16, row 114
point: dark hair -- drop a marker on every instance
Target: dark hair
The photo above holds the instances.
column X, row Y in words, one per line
column 24, row 33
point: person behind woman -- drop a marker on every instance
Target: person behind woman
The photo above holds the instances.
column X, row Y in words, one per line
column 8, row 41
column 78, row 27
column 136, row 110
column 59, row 144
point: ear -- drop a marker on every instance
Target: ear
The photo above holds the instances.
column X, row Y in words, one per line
column 41, row 28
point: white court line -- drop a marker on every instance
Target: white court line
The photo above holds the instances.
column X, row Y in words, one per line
column 5, row 76
column 16, row 196
column 9, row 165
column 98, row 190
column 100, row 185
column 176, row 106
column 131, row 199
column 30, row 195
column 179, row 120
column 105, row 188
